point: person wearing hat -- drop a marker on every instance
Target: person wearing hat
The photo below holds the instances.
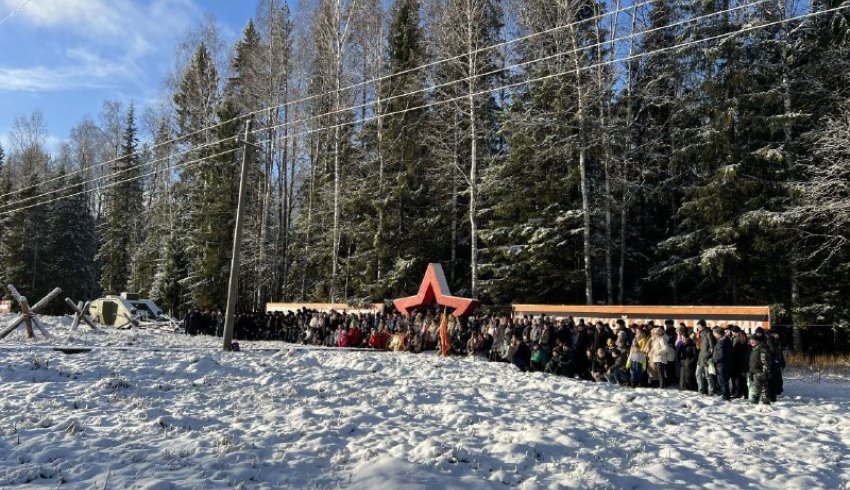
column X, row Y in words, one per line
column 760, row 367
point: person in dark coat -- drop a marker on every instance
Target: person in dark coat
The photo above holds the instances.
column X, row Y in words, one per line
column 581, row 363
column 777, row 364
column 561, row 362
column 760, row 370
column 602, row 361
column 723, row 362
column 599, row 337
column 521, row 357
column 687, row 356
column 618, row 373
column 740, row 354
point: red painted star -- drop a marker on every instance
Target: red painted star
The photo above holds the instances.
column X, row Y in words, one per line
column 435, row 289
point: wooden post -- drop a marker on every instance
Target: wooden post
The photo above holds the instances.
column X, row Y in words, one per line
column 233, row 283
column 79, row 314
column 11, row 328
column 45, row 300
column 25, row 310
column 27, row 313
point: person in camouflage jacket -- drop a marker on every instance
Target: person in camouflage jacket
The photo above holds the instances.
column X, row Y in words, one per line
column 760, row 370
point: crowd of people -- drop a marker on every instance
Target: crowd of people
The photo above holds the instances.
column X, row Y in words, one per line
column 724, row 362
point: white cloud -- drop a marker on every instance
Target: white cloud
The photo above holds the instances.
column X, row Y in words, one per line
column 97, row 19
column 111, row 41
column 40, row 78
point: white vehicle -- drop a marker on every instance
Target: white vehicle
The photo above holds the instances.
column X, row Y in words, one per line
column 129, row 310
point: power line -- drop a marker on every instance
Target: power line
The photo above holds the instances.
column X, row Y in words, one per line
column 516, row 65
column 346, row 88
column 119, row 172
column 14, row 11
column 422, row 90
column 494, row 89
column 113, row 184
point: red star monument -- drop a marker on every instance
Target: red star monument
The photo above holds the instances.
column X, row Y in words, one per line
column 434, row 289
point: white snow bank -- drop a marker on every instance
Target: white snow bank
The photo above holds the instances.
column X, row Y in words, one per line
column 278, row 416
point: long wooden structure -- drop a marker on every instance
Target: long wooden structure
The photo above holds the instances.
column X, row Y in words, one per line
column 325, row 307
column 746, row 317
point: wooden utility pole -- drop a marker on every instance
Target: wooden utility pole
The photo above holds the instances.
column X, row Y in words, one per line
column 233, row 284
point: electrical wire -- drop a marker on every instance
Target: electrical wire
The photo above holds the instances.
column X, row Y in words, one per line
column 494, row 89
column 15, row 11
column 315, row 96
column 422, row 90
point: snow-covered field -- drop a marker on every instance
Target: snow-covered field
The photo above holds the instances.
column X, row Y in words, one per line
column 156, row 410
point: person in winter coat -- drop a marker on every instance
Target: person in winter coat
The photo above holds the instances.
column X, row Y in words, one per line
column 355, row 337
column 600, row 364
column 472, row 346
column 740, row 355
column 396, row 342
column 581, row 364
column 777, row 364
column 378, row 340
column 599, row 337
column 759, row 370
column 539, row 357
column 658, row 353
column 706, row 380
column 636, row 364
column 723, row 362
column 617, row 373
column 521, row 356
column 687, row 364
column 343, row 339
column 561, row 361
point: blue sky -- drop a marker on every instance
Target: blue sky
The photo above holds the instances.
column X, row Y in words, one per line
column 65, row 57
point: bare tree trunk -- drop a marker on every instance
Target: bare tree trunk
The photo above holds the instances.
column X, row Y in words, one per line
column 624, row 165
column 582, row 162
column 473, row 153
column 340, row 41
column 309, row 219
column 378, row 241
column 604, row 119
column 454, row 203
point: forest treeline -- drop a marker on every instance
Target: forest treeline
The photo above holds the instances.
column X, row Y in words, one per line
column 661, row 152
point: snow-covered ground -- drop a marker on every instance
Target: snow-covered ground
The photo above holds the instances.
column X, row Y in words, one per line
column 156, row 410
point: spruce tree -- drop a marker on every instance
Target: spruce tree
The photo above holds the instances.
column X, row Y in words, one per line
column 731, row 143
column 394, row 196
column 534, row 231
column 22, row 222
column 158, row 217
column 195, row 102
column 70, row 243
column 119, row 233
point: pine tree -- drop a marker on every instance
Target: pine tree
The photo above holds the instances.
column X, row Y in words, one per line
column 732, row 144
column 70, row 242
column 536, row 194
column 463, row 135
column 817, row 214
column 196, row 102
column 652, row 181
column 119, row 233
column 321, row 237
column 158, row 218
column 394, row 187
column 167, row 290
column 23, row 230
